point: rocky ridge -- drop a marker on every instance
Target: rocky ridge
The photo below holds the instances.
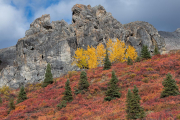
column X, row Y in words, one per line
column 172, row 40
column 56, row 42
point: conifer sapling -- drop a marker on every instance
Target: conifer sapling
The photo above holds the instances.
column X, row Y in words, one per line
column 138, row 59
column 107, row 63
column 134, row 110
column 48, row 76
column 129, row 62
column 83, row 83
column 128, row 104
column 68, row 94
column 170, row 87
column 113, row 90
column 22, row 95
column 137, row 98
column 145, row 53
column 11, row 104
column 156, row 51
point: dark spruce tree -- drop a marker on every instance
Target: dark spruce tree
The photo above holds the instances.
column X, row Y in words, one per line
column 145, row 53
column 68, row 93
column 129, row 62
column 48, row 76
column 128, row 104
column 107, row 63
column 138, row 59
column 156, row 51
column 83, row 83
column 170, row 87
column 137, row 98
column 11, row 104
column 134, row 110
column 22, row 95
column 113, row 90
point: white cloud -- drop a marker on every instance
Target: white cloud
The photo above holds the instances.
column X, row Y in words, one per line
column 163, row 14
column 12, row 23
column 62, row 10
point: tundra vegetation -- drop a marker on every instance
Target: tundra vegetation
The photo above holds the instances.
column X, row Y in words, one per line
column 154, row 81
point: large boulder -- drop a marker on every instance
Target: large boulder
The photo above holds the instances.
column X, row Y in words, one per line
column 56, row 42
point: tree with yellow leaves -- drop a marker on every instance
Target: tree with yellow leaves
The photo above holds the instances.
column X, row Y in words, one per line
column 116, row 50
column 80, row 58
column 91, row 57
column 100, row 53
column 131, row 52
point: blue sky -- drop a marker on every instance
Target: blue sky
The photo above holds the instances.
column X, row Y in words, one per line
column 16, row 15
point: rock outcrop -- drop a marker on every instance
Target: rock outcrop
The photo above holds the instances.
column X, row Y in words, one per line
column 7, row 57
column 56, row 42
column 172, row 40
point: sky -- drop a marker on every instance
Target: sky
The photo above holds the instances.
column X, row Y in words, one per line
column 17, row 15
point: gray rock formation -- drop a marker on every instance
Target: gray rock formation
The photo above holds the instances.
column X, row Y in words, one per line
column 7, row 56
column 56, row 42
column 172, row 39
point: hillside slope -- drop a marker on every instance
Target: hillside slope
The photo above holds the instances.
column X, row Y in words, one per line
column 147, row 75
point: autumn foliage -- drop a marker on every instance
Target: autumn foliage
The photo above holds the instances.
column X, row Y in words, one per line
column 92, row 58
column 148, row 75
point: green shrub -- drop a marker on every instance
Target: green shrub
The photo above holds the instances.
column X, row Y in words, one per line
column 77, row 91
column 146, row 80
column 5, row 90
column 138, row 59
column 149, row 69
column 129, row 62
column 62, row 104
column 132, row 75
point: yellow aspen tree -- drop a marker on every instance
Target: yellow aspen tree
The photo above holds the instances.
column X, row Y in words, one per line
column 91, row 57
column 100, row 53
column 131, row 52
column 121, row 48
column 80, row 58
column 116, row 50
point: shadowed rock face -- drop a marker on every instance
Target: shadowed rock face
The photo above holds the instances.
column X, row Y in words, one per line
column 172, row 40
column 7, row 57
column 56, row 42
